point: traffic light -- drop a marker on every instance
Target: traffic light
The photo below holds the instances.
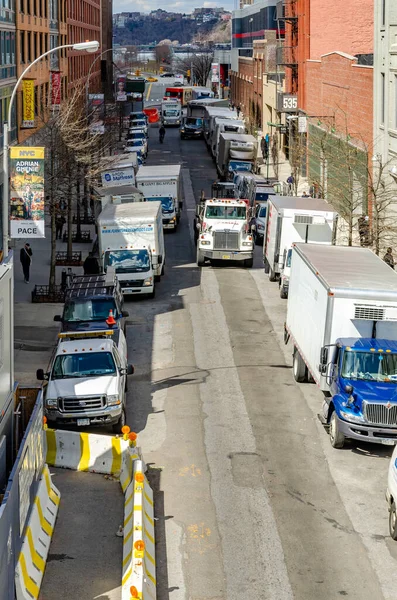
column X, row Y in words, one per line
column 188, row 73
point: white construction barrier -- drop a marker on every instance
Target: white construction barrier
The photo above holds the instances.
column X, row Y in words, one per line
column 86, row 451
column 32, row 558
column 139, row 554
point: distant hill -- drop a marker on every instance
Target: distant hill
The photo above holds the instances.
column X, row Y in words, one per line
column 149, row 30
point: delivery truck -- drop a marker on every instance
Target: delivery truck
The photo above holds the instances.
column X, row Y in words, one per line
column 163, row 184
column 342, row 321
column 131, row 242
column 292, row 219
column 171, row 112
column 117, row 194
column 210, row 114
column 234, row 147
column 221, row 125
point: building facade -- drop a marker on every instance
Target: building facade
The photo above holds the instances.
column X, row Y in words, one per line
column 106, row 49
column 84, row 23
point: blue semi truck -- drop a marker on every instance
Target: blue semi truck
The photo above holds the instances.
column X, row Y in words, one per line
column 342, row 321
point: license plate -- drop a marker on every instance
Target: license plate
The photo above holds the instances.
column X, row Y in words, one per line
column 389, row 442
column 226, row 256
column 83, row 422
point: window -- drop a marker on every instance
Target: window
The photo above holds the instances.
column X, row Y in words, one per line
column 29, row 49
column 383, row 15
column 382, row 98
column 22, row 42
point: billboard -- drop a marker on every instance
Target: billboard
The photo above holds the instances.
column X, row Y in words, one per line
column 28, row 116
column 27, row 192
column 121, row 92
column 215, row 72
column 115, row 177
column 55, row 89
column 96, row 113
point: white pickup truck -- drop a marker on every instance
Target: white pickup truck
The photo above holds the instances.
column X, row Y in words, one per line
column 87, row 379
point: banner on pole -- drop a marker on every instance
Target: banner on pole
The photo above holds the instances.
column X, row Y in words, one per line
column 56, row 90
column 28, row 116
column 215, row 72
column 27, row 192
column 96, row 114
column 121, row 91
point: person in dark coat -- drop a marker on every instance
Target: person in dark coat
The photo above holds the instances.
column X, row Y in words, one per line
column 388, row 258
column 91, row 265
column 26, row 260
column 59, row 223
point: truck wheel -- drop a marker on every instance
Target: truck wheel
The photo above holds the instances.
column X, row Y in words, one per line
column 299, row 368
column 393, row 521
column 162, row 270
column 249, row 263
column 266, row 266
column 152, row 294
column 336, row 437
column 200, row 258
column 283, row 293
column 272, row 275
column 116, row 428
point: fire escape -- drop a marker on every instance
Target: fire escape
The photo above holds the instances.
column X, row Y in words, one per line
column 287, row 52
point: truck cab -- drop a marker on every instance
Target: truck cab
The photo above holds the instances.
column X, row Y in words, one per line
column 134, row 268
column 362, row 378
column 222, row 231
column 87, row 380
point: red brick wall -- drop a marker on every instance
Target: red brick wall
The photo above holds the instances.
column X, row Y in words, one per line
column 339, row 87
column 336, row 26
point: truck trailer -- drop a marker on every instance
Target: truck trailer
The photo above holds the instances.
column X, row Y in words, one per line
column 342, row 321
column 131, row 242
column 163, row 184
column 234, row 147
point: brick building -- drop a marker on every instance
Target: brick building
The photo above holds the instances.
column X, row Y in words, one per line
column 84, row 23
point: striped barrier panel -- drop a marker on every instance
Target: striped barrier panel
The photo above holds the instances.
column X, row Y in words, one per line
column 32, row 558
column 86, row 451
column 139, row 554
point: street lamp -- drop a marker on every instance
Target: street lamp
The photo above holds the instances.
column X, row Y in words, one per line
column 90, row 47
column 93, row 63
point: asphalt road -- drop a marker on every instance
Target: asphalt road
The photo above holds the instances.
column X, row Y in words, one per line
column 251, row 500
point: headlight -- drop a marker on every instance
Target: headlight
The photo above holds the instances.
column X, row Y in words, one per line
column 351, row 417
column 113, row 400
column 182, row 131
column 173, row 219
column 204, row 243
column 247, row 244
column 148, row 281
column 51, row 402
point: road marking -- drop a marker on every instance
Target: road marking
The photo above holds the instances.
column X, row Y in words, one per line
column 148, row 91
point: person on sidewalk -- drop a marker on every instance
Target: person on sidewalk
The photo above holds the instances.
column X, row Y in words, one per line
column 291, row 182
column 26, row 260
column 59, row 223
column 91, row 265
column 238, row 111
column 388, row 258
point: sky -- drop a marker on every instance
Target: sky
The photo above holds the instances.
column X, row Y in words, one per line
column 183, row 6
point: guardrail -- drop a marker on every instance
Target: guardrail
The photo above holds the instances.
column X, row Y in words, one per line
column 62, row 258
column 83, row 238
column 41, row 293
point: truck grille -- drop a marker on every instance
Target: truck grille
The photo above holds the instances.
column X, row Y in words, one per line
column 76, row 405
column 380, row 414
column 132, row 283
column 226, row 240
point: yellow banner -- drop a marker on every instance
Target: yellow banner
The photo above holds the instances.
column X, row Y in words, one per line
column 28, row 116
column 26, row 152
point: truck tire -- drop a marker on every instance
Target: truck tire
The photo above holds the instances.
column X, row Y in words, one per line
column 283, row 293
column 336, row 437
column 200, row 258
column 152, row 294
column 272, row 275
column 266, row 266
column 116, row 428
column 299, row 367
column 249, row 263
column 393, row 521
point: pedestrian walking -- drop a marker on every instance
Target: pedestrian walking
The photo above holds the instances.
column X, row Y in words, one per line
column 265, row 148
column 238, row 110
column 363, row 230
column 59, row 223
column 161, row 133
column 26, row 260
column 291, row 182
column 91, row 266
column 388, row 258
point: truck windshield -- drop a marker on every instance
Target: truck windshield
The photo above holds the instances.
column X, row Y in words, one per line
column 370, row 366
column 169, row 112
column 289, row 257
column 262, row 212
column 91, row 364
column 225, row 212
column 167, row 204
column 136, row 135
column 262, row 196
column 128, row 261
column 96, row 309
column 194, row 122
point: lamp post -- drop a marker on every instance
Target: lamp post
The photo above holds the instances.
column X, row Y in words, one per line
column 93, row 63
column 83, row 47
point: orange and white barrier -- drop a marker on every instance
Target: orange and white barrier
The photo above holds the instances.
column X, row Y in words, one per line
column 32, row 558
column 139, row 555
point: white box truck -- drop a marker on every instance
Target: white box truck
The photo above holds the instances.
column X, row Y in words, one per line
column 342, row 320
column 292, row 219
column 171, row 112
column 119, row 170
column 117, row 194
column 234, row 148
column 163, row 184
column 224, row 126
column 131, row 242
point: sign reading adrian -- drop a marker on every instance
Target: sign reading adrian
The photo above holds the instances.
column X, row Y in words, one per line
column 27, row 192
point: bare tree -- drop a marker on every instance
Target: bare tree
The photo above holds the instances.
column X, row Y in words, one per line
column 163, row 54
column 199, row 65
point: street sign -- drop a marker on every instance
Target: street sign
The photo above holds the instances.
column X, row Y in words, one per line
column 287, row 103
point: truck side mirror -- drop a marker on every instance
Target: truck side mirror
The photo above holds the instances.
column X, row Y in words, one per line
column 160, row 259
column 348, row 389
column 198, row 206
column 57, row 318
column 324, row 356
column 40, row 375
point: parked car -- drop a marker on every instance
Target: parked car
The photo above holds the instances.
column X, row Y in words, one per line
column 151, row 79
column 139, row 135
column 137, row 145
column 137, row 115
column 140, row 124
column 167, row 75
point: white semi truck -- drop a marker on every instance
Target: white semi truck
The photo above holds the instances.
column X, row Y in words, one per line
column 163, row 184
column 342, row 321
column 131, row 242
column 292, row 219
column 222, row 232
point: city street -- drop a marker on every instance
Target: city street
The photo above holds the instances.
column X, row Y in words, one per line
column 251, row 499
